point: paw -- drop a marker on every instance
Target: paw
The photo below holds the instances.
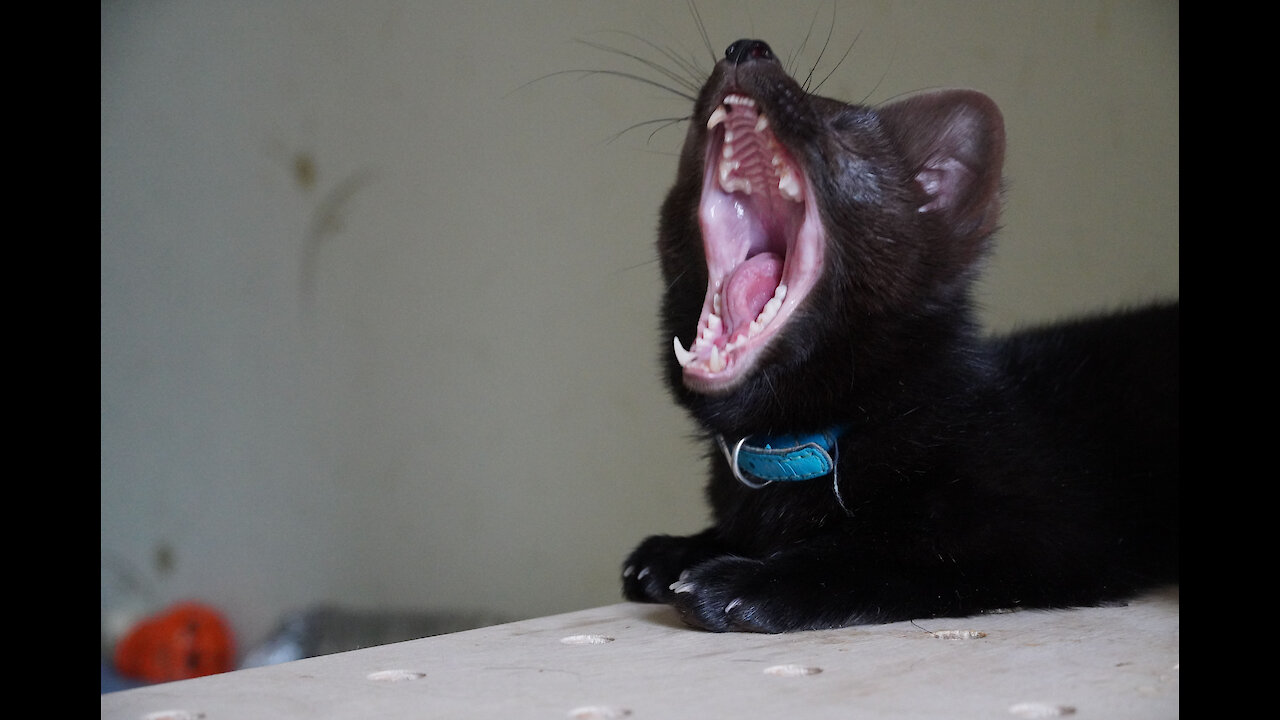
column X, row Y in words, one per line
column 732, row 594
column 647, row 575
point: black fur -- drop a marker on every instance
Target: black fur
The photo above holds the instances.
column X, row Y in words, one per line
column 1036, row 470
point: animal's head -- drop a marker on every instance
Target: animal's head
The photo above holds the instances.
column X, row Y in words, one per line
column 806, row 239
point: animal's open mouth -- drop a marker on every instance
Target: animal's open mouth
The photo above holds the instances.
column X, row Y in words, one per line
column 763, row 243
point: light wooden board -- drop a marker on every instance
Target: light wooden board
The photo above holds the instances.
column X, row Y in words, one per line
column 638, row 661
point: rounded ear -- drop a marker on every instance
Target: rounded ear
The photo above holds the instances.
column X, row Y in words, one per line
column 953, row 143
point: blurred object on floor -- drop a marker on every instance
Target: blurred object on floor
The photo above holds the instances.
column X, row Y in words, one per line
column 328, row 629
column 186, row 640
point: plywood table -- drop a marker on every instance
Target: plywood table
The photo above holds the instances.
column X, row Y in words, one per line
column 638, row 661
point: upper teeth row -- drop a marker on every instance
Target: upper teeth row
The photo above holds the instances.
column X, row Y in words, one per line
column 788, row 184
column 710, row 331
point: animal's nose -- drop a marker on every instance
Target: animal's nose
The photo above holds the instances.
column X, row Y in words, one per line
column 748, row 50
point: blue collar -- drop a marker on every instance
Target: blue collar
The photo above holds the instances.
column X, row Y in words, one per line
column 757, row 460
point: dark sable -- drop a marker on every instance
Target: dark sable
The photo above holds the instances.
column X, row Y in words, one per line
column 1034, row 470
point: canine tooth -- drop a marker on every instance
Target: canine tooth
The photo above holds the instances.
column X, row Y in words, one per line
column 716, row 303
column 761, row 123
column 684, row 357
column 717, row 116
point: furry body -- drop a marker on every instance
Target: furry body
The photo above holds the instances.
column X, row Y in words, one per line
column 972, row 474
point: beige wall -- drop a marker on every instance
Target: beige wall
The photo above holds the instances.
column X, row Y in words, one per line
column 378, row 322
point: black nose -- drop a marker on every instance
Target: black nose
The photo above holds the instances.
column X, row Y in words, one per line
column 747, row 50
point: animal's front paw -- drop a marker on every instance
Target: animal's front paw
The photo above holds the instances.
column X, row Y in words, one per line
column 740, row 594
column 649, row 572
column 724, row 594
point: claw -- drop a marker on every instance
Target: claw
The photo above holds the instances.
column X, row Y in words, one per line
column 682, row 586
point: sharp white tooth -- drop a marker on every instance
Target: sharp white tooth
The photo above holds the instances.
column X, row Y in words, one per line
column 717, row 117
column 709, row 331
column 789, row 186
column 769, row 312
column 715, row 303
column 732, row 184
column 761, row 123
column 716, row 363
column 684, row 357
column 726, row 151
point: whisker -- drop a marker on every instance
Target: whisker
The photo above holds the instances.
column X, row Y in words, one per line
column 616, row 73
column 702, row 30
column 672, row 75
column 799, row 52
column 839, row 62
column 665, row 123
column 694, row 74
column 676, row 279
column 637, row 266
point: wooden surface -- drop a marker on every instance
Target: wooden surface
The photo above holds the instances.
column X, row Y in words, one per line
column 638, row 661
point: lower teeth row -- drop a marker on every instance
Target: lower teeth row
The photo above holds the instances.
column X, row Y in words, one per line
column 708, row 333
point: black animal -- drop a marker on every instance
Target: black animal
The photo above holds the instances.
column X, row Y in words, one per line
column 874, row 457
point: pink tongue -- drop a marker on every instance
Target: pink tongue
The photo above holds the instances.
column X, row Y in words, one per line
column 749, row 288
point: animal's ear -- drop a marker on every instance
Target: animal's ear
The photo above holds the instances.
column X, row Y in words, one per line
column 953, row 143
